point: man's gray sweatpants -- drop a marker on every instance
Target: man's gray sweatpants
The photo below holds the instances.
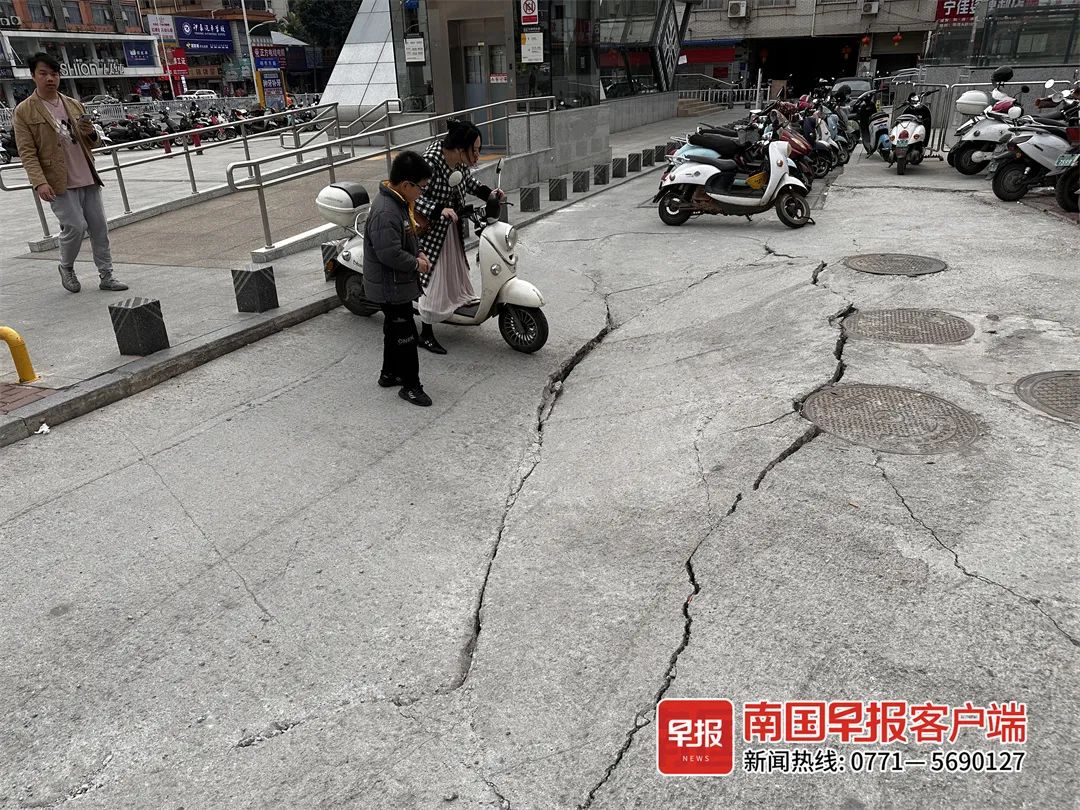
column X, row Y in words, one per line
column 80, row 210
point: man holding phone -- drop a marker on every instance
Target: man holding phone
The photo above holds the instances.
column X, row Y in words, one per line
column 55, row 135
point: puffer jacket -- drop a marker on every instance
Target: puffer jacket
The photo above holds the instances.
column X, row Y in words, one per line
column 391, row 269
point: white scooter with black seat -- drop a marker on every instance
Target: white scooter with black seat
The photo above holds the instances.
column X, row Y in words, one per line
column 516, row 302
column 706, row 186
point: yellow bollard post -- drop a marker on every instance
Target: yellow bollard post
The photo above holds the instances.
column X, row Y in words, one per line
column 19, row 354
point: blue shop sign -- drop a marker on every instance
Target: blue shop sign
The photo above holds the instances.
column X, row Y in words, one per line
column 139, row 54
column 204, row 36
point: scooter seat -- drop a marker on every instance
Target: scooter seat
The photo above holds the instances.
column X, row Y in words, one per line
column 722, row 164
column 727, row 132
column 1050, row 121
column 722, row 145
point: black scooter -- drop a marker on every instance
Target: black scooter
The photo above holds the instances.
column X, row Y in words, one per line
column 873, row 124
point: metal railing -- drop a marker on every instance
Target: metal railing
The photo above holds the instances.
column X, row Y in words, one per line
column 701, row 81
column 943, row 114
column 722, row 97
column 253, row 178
column 186, row 139
column 386, row 113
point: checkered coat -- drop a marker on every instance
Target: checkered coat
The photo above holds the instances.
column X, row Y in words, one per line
column 439, row 195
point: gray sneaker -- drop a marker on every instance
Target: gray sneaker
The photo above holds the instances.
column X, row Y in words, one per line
column 111, row 284
column 68, row 279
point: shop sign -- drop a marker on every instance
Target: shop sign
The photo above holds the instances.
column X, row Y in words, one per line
column 162, row 28
column 273, row 90
column 530, row 14
column 532, row 47
column 178, row 65
column 269, row 57
column 204, row 36
column 139, row 54
column 96, row 67
column 414, row 50
column 951, row 11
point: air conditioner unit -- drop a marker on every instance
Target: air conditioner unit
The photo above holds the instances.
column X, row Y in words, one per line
column 869, row 8
column 737, row 8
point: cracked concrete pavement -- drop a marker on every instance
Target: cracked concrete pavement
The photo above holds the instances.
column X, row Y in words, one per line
column 265, row 584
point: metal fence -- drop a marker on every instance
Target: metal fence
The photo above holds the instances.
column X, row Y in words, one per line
column 250, row 175
column 325, row 121
column 722, row 97
column 943, row 111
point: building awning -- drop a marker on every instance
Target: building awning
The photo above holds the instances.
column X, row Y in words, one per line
column 58, row 35
column 284, row 39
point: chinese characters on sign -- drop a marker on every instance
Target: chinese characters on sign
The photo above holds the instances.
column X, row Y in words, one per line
column 532, row 47
column 269, row 57
column 139, row 54
column 414, row 49
column 161, row 27
column 949, row 11
column 694, row 737
column 205, row 36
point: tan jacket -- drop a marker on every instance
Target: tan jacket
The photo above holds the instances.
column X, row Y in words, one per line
column 39, row 144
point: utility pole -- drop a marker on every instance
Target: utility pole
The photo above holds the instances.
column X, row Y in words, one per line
column 251, row 54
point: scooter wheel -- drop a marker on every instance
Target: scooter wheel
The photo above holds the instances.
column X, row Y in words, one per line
column 350, row 289
column 792, row 208
column 1066, row 188
column 964, row 162
column 1008, row 182
column 525, row 329
column 669, row 213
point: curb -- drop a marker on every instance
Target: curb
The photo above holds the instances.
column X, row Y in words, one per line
column 146, row 372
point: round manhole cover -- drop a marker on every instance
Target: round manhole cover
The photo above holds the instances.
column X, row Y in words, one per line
column 895, row 420
column 894, row 264
column 909, row 325
column 1054, row 392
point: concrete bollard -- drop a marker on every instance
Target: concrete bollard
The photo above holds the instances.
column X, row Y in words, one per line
column 601, row 173
column 618, row 167
column 530, row 198
column 255, row 288
column 633, row 162
column 557, row 189
column 659, row 153
column 581, row 181
column 647, row 157
column 139, row 326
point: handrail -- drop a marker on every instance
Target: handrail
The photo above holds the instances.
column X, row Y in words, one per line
column 331, row 123
column 384, row 117
column 254, row 168
column 117, row 167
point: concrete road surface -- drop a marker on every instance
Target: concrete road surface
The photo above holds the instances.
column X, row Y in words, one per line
column 269, row 583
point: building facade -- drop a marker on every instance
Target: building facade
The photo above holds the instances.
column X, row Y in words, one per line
column 100, row 44
column 1013, row 32
column 205, row 45
column 806, row 40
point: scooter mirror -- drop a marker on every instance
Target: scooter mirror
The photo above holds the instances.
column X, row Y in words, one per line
column 1025, row 89
column 1015, row 112
column 1048, row 83
column 456, row 178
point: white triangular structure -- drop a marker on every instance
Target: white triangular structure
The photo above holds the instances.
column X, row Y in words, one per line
column 365, row 74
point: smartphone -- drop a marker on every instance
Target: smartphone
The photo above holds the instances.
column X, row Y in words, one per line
column 85, row 117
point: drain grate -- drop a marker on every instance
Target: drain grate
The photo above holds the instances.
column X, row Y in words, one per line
column 1054, row 392
column 895, row 420
column 895, row 264
column 909, row 325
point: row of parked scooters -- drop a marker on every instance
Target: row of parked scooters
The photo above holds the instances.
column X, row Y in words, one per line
column 221, row 125
column 768, row 161
column 1021, row 151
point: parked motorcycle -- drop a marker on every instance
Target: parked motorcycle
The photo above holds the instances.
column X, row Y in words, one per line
column 979, row 135
column 873, row 123
column 515, row 302
column 8, row 148
column 707, row 186
column 1067, row 186
column 1030, row 157
column 910, row 132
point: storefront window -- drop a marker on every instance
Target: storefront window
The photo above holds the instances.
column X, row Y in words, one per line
column 1039, row 37
column 633, row 35
column 571, row 53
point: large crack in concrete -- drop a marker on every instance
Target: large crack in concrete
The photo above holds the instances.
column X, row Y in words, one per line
column 645, row 716
column 1035, row 603
column 530, row 461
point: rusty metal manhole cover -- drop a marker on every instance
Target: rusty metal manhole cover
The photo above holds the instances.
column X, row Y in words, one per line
column 909, row 325
column 1054, row 392
column 895, row 264
column 895, row 420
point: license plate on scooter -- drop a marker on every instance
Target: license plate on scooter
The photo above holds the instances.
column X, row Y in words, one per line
column 901, row 142
column 1067, row 160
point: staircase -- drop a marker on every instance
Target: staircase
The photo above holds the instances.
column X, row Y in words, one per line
column 692, row 108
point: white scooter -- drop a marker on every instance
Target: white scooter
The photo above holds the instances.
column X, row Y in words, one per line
column 909, row 135
column 516, row 302
column 707, row 186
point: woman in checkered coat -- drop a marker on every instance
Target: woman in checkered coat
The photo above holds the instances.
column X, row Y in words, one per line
column 447, row 286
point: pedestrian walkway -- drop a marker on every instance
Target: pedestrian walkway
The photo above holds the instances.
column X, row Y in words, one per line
column 184, row 259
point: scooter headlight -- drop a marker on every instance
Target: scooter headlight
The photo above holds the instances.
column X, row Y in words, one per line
column 511, row 238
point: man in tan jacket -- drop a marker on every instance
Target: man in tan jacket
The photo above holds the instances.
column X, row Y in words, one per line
column 55, row 136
